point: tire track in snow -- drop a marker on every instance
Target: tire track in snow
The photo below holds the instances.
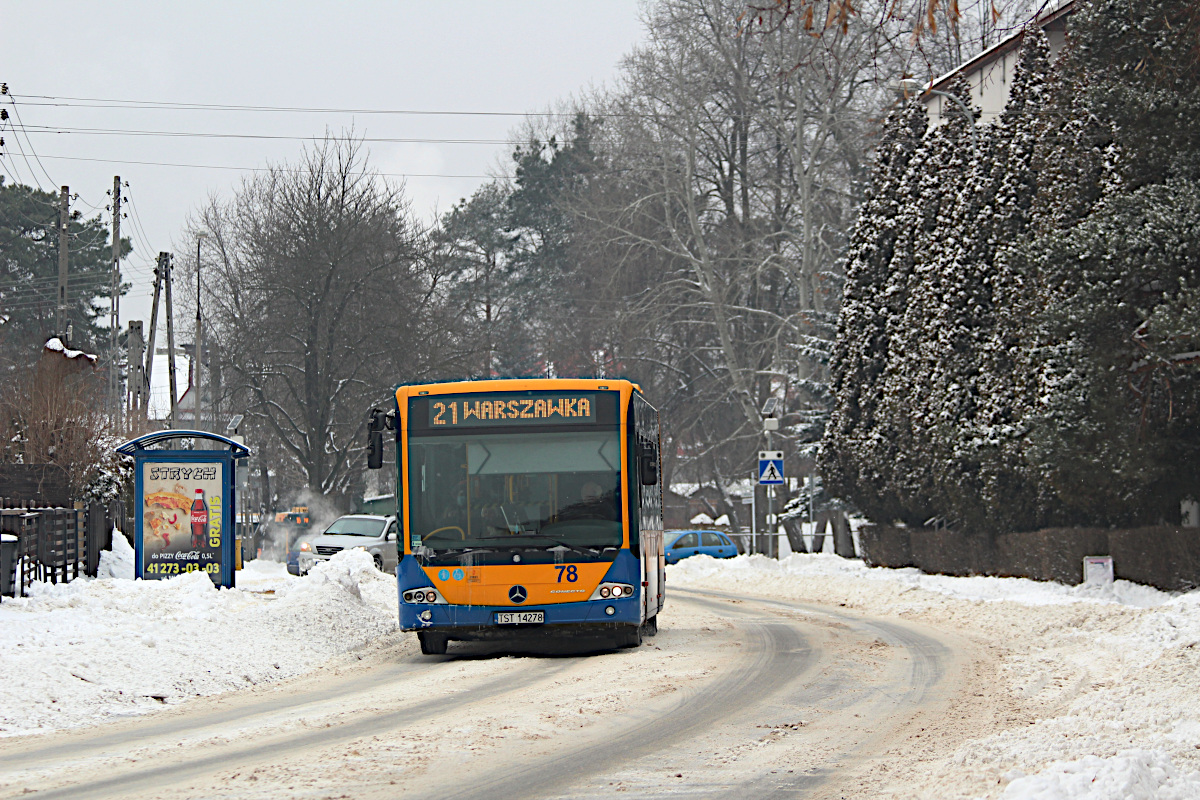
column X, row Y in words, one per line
column 778, row 647
column 790, row 674
column 130, row 780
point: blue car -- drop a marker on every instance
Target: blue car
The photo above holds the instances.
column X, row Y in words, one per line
column 681, row 544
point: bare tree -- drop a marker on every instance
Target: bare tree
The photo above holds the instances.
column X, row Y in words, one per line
column 53, row 413
column 322, row 301
column 734, row 163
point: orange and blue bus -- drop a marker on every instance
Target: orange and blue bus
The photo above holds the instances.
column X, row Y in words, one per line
column 527, row 505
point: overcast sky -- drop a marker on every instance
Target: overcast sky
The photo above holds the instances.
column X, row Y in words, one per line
column 510, row 57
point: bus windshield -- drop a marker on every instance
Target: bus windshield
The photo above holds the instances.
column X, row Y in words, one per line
column 530, row 491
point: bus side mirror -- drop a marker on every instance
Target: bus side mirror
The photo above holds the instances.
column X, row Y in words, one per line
column 648, row 466
column 375, row 429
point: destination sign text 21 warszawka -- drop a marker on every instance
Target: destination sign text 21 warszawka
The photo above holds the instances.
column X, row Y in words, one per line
column 490, row 410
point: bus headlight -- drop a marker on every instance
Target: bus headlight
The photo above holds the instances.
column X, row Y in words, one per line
column 612, row 590
column 423, row 595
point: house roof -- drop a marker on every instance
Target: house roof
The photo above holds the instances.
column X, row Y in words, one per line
column 1008, row 45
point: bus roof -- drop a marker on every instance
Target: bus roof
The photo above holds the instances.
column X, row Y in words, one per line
column 516, row 385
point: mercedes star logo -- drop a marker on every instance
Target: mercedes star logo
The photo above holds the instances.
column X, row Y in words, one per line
column 517, row 594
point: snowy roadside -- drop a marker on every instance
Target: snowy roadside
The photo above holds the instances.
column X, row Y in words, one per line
column 94, row 650
column 1111, row 673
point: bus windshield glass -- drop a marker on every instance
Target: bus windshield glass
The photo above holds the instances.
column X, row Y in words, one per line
column 536, row 491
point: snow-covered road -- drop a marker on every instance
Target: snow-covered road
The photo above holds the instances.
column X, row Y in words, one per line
column 811, row 677
column 733, row 695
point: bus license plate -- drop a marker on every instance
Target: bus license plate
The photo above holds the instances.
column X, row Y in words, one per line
column 520, row 617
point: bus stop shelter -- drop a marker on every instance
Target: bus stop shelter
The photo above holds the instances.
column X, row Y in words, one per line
column 185, row 504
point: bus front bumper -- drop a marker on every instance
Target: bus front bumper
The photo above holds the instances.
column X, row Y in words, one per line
column 480, row 622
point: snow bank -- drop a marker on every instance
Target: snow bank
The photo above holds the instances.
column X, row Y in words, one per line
column 1134, row 775
column 1109, row 672
column 117, row 562
column 749, row 570
column 90, row 650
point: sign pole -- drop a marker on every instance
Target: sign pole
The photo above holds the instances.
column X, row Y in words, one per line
column 753, row 517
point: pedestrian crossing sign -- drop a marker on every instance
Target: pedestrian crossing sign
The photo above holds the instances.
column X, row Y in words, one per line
column 770, row 468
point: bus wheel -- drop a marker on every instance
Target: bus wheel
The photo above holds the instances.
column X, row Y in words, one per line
column 432, row 644
column 650, row 626
column 632, row 636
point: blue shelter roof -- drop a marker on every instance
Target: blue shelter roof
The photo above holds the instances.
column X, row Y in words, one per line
column 143, row 442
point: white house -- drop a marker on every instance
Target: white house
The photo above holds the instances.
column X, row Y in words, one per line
column 990, row 73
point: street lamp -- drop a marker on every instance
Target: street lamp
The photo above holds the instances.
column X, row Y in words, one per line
column 196, row 384
column 914, row 86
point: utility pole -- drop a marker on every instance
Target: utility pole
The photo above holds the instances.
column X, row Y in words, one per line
column 159, row 272
column 165, row 259
column 114, row 313
column 64, row 218
column 137, row 381
column 199, row 345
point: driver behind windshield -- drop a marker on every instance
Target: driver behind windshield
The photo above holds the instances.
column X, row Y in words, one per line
column 591, row 502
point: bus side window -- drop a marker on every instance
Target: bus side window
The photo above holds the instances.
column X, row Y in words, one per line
column 633, row 483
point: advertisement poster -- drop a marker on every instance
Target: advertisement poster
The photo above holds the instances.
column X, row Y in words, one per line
column 182, row 512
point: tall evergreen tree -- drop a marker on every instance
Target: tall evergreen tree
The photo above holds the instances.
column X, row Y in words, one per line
column 988, row 440
column 861, row 350
column 919, row 306
column 1116, row 435
column 1142, row 62
column 29, row 274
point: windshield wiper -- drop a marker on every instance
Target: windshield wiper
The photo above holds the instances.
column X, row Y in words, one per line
column 466, row 551
column 581, row 549
column 469, row 551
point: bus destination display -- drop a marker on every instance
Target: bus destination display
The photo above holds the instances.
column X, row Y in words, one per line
column 489, row 410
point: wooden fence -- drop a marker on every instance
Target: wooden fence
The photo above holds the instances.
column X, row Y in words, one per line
column 57, row 545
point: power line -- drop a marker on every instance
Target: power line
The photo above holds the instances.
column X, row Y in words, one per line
column 97, row 102
column 32, row 174
column 251, row 169
column 63, row 130
column 137, row 220
column 43, row 282
column 17, row 116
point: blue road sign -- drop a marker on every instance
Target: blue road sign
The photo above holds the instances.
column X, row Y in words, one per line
column 770, row 471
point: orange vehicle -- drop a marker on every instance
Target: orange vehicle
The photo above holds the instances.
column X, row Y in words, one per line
column 526, row 505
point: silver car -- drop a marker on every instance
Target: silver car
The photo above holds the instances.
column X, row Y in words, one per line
column 375, row 534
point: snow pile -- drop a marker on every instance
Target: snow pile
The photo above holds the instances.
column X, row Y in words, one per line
column 1132, row 775
column 117, row 562
column 1108, row 672
column 89, row 650
column 747, row 571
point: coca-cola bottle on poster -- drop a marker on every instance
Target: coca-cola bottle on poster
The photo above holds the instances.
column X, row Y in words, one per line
column 199, row 521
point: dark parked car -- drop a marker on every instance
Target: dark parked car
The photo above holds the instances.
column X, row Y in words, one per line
column 681, row 544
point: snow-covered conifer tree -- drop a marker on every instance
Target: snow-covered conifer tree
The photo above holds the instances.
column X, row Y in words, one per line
column 861, row 347
column 995, row 488
column 916, row 296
